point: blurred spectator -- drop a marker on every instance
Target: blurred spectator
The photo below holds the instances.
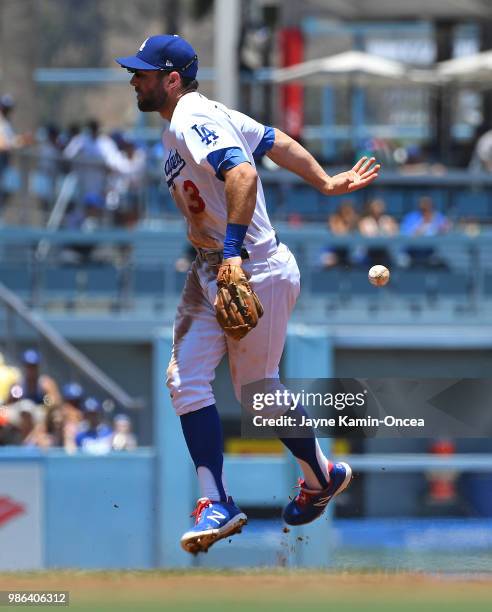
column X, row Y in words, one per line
column 9, row 376
column 419, row 159
column 72, row 131
column 88, row 216
column 72, row 394
column 8, row 141
column 90, row 149
column 342, row 222
column 30, row 423
column 7, row 134
column 481, row 159
column 123, row 437
column 9, row 432
column 93, row 215
column 54, row 427
column 96, row 156
column 25, row 419
column 38, row 388
column 95, row 437
column 124, row 197
column 44, row 179
column 57, row 427
column 376, row 223
column 424, row 222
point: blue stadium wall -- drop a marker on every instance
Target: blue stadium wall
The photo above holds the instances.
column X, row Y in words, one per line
column 109, row 512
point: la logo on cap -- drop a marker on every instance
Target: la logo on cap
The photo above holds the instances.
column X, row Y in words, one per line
column 143, row 44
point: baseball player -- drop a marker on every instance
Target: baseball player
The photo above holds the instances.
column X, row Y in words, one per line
column 243, row 283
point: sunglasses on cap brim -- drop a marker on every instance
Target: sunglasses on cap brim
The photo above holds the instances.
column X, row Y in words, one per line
column 182, row 69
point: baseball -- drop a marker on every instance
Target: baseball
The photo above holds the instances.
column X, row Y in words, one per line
column 379, row 276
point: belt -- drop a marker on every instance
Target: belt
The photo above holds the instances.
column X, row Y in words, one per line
column 214, row 258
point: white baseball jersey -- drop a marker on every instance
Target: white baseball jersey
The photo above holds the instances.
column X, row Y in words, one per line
column 203, row 138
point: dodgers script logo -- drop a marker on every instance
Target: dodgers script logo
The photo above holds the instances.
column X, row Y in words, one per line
column 173, row 166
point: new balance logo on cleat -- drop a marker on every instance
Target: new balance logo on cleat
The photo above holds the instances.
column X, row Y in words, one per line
column 215, row 515
column 213, row 522
column 309, row 504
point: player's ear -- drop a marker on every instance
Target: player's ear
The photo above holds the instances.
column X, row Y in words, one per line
column 174, row 79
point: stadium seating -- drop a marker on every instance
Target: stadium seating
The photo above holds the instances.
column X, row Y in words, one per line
column 16, row 277
column 470, row 203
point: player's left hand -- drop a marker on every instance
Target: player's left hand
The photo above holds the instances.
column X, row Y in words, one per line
column 237, row 307
column 362, row 174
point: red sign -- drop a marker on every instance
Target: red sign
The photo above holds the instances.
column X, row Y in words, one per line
column 9, row 509
column 292, row 94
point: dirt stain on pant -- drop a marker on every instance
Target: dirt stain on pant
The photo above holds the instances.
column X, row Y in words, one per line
column 192, row 299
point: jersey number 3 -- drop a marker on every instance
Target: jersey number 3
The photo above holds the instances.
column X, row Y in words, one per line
column 197, row 204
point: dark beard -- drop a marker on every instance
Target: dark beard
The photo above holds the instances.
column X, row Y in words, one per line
column 153, row 102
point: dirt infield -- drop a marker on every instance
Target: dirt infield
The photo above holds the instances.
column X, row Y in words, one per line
column 259, row 590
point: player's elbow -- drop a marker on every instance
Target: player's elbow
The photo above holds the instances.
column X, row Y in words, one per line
column 243, row 173
column 249, row 174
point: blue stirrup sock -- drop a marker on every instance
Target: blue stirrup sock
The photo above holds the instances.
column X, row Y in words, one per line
column 203, row 434
column 309, row 455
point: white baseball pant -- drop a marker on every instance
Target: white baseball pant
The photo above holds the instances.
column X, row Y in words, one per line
column 199, row 342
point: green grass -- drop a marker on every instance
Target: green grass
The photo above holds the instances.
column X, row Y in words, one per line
column 258, row 591
column 259, row 606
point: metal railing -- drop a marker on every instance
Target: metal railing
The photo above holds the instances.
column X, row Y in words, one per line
column 63, row 350
column 120, row 270
column 30, row 187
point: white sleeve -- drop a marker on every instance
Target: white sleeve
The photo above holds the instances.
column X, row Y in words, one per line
column 484, row 147
column 252, row 131
column 114, row 158
column 74, row 147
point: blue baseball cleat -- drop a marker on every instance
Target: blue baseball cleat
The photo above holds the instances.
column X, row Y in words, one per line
column 308, row 505
column 214, row 521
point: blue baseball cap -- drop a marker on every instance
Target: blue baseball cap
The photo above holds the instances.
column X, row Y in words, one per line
column 123, row 418
column 93, row 199
column 164, row 52
column 91, row 404
column 72, row 392
column 6, row 101
column 31, row 357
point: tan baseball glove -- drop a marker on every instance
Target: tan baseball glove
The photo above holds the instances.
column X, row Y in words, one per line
column 237, row 307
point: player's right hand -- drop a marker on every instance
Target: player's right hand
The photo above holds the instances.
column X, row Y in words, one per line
column 362, row 174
